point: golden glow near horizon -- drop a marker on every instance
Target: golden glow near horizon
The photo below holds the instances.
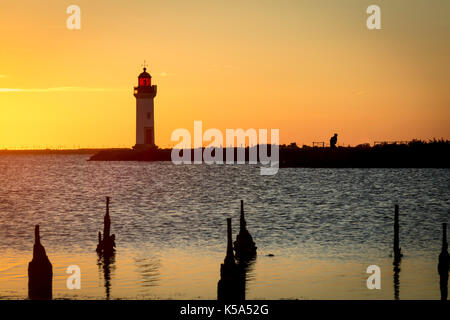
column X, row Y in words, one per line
column 308, row 68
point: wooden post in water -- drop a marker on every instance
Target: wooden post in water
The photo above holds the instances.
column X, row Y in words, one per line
column 444, row 237
column 244, row 245
column 40, row 271
column 397, row 249
column 106, row 244
column 243, row 223
column 229, row 258
column 228, row 287
column 444, row 264
column 107, row 221
column 397, row 254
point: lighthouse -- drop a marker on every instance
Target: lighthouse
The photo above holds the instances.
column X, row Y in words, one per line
column 145, row 92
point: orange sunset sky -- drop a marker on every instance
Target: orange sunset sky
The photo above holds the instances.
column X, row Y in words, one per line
column 307, row 68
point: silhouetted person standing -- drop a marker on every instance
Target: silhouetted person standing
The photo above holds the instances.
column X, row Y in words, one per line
column 333, row 141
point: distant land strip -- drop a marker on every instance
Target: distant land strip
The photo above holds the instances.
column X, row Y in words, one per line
column 413, row 154
column 55, row 151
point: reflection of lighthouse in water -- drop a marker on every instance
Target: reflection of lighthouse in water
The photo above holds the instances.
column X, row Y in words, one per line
column 145, row 116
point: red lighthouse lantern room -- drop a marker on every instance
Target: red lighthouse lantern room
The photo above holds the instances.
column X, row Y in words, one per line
column 145, row 79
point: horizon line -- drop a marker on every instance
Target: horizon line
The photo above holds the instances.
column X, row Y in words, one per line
column 224, row 147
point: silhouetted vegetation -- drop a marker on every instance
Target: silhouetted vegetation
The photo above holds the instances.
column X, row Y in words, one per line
column 414, row 154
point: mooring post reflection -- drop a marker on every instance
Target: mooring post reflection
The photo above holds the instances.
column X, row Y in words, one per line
column 397, row 254
column 397, row 250
column 40, row 271
column 396, row 279
column 106, row 267
column 443, row 265
column 245, row 270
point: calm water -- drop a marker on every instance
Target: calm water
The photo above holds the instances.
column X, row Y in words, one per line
column 324, row 227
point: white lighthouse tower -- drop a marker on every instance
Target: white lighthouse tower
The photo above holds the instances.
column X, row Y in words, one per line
column 145, row 113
